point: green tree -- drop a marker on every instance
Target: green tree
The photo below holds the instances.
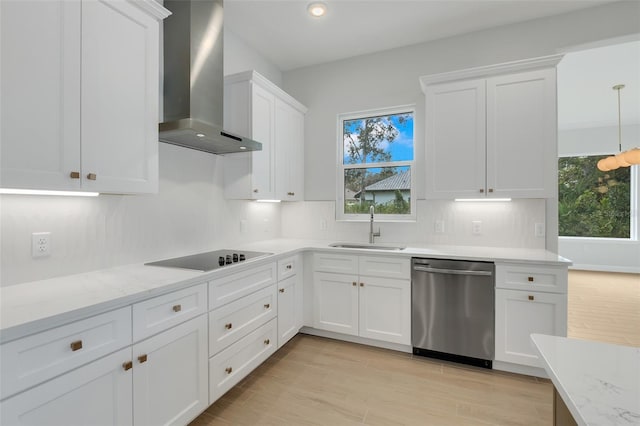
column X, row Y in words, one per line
column 592, row 203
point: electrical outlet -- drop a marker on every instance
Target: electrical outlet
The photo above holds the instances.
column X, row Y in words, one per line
column 323, row 224
column 539, row 230
column 243, row 226
column 41, row 244
column 476, row 227
column 439, row 227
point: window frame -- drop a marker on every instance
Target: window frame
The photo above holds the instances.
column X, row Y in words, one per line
column 634, row 204
column 341, row 167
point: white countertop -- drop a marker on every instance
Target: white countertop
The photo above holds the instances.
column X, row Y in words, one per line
column 30, row 307
column 598, row 382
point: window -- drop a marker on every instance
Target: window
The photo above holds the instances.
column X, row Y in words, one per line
column 374, row 165
column 592, row 203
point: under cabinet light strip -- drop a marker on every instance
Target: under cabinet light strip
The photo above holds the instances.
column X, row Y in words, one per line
column 267, row 201
column 46, row 192
column 482, row 200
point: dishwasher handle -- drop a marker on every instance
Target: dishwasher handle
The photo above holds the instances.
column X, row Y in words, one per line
column 451, row 271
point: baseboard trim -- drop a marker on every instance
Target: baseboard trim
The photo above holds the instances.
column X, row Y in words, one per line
column 520, row 369
column 356, row 339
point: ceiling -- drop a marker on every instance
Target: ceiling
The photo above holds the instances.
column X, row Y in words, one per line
column 290, row 38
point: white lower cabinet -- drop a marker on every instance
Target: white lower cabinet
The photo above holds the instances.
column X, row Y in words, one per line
column 530, row 298
column 99, row 393
column 170, row 375
column 375, row 306
column 289, row 313
column 521, row 313
column 233, row 364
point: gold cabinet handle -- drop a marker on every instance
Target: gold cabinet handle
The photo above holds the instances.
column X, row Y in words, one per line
column 127, row 365
column 289, row 266
column 354, row 283
column 177, row 308
column 255, row 190
column 229, row 370
column 481, row 190
column 267, row 341
column 92, row 176
column 530, row 279
column 228, row 326
column 267, row 305
column 281, row 290
column 490, row 189
column 531, row 297
column 77, row 345
column 361, row 284
column 142, row 358
column 291, row 194
column 74, row 175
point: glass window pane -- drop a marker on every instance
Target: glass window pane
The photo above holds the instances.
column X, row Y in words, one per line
column 378, row 139
column 388, row 189
column 593, row 203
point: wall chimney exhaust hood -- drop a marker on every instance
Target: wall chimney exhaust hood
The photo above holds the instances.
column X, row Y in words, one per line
column 194, row 80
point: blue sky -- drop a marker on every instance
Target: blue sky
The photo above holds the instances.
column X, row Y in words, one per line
column 401, row 148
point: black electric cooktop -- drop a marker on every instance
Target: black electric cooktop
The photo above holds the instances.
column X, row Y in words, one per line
column 209, row 261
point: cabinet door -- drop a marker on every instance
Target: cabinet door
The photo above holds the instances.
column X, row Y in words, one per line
column 170, row 375
column 263, row 120
column 521, row 313
column 522, row 135
column 99, row 393
column 455, row 140
column 385, row 309
column 120, row 72
column 40, row 86
column 288, row 309
column 289, row 159
column 336, row 302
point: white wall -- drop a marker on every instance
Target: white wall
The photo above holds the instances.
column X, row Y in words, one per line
column 188, row 215
column 391, row 78
column 504, row 224
column 239, row 57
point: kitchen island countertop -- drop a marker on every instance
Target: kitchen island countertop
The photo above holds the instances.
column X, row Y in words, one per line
column 28, row 308
column 598, row 382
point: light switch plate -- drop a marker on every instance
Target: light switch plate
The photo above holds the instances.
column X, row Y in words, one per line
column 539, row 230
column 439, row 226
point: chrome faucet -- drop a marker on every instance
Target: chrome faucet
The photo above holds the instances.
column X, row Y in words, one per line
column 372, row 235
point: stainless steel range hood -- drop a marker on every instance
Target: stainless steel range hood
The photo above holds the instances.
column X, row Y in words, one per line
column 193, row 79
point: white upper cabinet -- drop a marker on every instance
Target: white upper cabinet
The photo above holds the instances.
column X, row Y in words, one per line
column 80, row 95
column 491, row 131
column 256, row 108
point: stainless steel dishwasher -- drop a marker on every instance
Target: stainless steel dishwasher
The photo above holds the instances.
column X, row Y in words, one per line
column 452, row 310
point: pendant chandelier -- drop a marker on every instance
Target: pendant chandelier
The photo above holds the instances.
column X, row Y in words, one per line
column 624, row 159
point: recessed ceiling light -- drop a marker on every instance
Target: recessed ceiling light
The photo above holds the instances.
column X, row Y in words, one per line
column 317, row 9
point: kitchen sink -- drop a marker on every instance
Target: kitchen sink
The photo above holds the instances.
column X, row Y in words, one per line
column 367, row 246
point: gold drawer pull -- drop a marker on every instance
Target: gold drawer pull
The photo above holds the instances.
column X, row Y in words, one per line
column 77, row 345
column 127, row 365
column 531, row 297
column 74, row 175
column 354, row 283
column 255, row 190
column 228, row 326
column 361, row 284
column 267, row 306
column 92, row 176
column 490, row 189
column 229, row 370
column 142, row 358
column 281, row 290
column 289, row 266
column 267, row 341
column 481, row 191
column 177, row 308
column 530, row 279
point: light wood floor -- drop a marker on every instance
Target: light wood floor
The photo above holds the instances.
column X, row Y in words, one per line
column 316, row 381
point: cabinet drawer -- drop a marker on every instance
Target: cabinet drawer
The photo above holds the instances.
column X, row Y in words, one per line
column 231, row 322
column 287, row 267
column 551, row 278
column 160, row 313
column 234, row 363
column 232, row 287
column 39, row 357
column 337, row 263
column 385, row 267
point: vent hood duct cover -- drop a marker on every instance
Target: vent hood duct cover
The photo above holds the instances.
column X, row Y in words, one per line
column 193, row 80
